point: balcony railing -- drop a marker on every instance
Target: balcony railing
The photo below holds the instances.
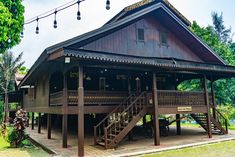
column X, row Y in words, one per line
column 165, row 98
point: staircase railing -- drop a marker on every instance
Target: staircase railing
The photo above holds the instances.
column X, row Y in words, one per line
column 222, row 120
column 125, row 116
column 99, row 128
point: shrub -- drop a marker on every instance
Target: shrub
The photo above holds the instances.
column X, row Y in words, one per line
column 228, row 111
column 15, row 134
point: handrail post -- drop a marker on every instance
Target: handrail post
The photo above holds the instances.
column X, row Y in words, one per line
column 105, row 137
column 95, row 136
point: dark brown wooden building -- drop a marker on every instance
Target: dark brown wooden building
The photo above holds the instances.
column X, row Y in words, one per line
column 126, row 69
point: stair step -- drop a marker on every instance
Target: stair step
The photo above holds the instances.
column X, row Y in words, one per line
column 110, row 140
column 112, row 135
column 101, row 143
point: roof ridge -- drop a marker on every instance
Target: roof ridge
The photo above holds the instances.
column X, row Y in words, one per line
column 143, row 3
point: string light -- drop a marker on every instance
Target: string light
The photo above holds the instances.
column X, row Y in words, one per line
column 22, row 34
column 37, row 28
column 55, row 11
column 55, row 22
column 78, row 13
column 107, row 4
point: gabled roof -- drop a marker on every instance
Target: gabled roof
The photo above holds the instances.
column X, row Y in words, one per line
column 164, row 14
column 161, row 9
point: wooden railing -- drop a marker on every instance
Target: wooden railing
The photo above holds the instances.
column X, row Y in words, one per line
column 98, row 97
column 56, row 99
column 111, row 117
column 165, row 98
column 179, row 98
column 222, row 120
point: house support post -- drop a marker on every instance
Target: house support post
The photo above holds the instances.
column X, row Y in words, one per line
column 213, row 101
column 65, row 113
column 32, row 123
column 178, row 127
column 208, row 117
column 39, row 122
column 49, row 126
column 155, row 105
column 80, row 112
column 144, row 121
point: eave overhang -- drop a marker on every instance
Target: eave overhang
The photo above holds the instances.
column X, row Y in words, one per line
column 164, row 63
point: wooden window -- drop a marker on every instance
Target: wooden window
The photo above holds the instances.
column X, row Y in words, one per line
column 140, row 34
column 163, row 38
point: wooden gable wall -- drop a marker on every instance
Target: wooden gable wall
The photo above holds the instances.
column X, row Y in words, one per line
column 125, row 42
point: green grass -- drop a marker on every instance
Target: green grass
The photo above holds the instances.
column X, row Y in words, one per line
column 222, row 149
column 32, row 151
column 232, row 127
column 3, row 144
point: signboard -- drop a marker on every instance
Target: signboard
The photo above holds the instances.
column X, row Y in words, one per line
column 184, row 109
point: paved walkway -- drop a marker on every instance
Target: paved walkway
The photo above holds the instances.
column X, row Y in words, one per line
column 140, row 145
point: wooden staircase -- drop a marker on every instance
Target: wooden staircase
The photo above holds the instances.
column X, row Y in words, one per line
column 116, row 125
column 218, row 125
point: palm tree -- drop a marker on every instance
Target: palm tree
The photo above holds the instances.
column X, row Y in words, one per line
column 8, row 67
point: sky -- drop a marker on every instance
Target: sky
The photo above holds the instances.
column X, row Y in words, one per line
column 94, row 15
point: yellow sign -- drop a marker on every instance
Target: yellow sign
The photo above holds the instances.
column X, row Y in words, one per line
column 137, row 5
column 184, row 109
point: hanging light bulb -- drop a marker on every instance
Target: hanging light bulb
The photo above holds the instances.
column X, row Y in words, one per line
column 55, row 22
column 22, row 34
column 107, row 4
column 37, row 28
column 78, row 13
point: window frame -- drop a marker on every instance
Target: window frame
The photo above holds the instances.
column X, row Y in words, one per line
column 161, row 33
column 138, row 34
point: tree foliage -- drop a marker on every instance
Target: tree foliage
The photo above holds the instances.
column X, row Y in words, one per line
column 217, row 37
column 222, row 32
column 11, row 23
column 9, row 65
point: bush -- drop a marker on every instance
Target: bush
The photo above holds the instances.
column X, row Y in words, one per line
column 228, row 111
column 15, row 134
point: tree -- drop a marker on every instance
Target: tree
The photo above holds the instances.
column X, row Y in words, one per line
column 222, row 32
column 219, row 39
column 209, row 36
column 23, row 70
column 9, row 65
column 11, row 23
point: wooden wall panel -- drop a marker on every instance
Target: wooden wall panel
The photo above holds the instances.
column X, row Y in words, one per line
column 125, row 41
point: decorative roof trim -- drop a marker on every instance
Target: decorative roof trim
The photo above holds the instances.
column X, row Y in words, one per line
column 149, row 61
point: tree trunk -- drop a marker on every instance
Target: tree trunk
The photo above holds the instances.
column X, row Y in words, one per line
column 6, row 109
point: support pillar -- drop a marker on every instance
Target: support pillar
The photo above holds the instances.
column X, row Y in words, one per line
column 213, row 101
column 144, row 121
column 80, row 112
column 155, row 105
column 65, row 131
column 178, row 126
column 32, row 125
column 208, row 119
column 39, row 123
column 65, row 113
column 49, row 126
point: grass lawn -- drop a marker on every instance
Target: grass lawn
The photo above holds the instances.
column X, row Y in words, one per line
column 222, row 149
column 5, row 151
column 232, row 127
